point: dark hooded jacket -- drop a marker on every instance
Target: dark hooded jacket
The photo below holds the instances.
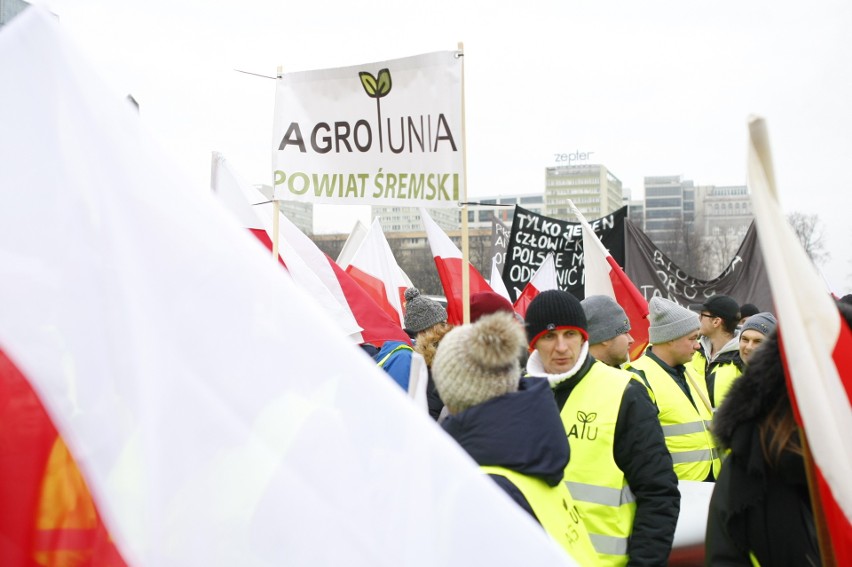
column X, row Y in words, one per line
column 521, row 431
column 756, row 507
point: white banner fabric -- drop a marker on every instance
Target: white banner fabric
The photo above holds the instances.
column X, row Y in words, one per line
column 385, row 133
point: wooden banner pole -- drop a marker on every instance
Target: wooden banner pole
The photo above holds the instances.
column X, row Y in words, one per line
column 464, row 221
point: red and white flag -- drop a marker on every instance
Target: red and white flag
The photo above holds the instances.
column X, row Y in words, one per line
column 819, row 364
column 375, row 269
column 603, row 276
column 214, row 422
column 448, row 261
column 241, row 199
column 543, row 279
column 376, row 325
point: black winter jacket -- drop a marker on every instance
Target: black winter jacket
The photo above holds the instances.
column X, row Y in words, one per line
column 521, row 431
column 757, row 508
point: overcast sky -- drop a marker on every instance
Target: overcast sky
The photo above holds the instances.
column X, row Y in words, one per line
column 652, row 88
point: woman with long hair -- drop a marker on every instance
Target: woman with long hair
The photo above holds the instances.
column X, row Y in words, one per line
column 760, row 512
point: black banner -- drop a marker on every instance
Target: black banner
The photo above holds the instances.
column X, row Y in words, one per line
column 533, row 236
column 499, row 242
column 654, row 274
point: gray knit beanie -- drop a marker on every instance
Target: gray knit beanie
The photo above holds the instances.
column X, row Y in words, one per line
column 422, row 312
column 670, row 321
column 605, row 319
column 479, row 361
column 762, row 323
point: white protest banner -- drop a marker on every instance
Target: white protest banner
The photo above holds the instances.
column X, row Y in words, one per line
column 386, row 133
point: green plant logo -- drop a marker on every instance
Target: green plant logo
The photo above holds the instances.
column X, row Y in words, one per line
column 377, row 87
column 590, row 433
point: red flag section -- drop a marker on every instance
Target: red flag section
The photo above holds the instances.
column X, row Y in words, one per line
column 47, row 516
column 377, row 325
column 603, row 276
column 634, row 306
column 819, row 363
column 375, row 288
column 448, row 261
column 375, row 268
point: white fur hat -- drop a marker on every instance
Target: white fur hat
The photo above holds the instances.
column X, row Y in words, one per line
column 479, row 361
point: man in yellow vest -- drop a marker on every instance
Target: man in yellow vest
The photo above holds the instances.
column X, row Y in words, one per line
column 718, row 361
column 509, row 425
column 684, row 408
column 620, row 473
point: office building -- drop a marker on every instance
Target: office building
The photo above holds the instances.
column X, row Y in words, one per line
column 593, row 189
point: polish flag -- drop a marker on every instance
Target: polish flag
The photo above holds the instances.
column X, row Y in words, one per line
column 210, row 420
column 819, row 366
column 603, row 276
column 448, row 261
column 377, row 326
column 375, row 269
column 253, row 211
column 543, row 279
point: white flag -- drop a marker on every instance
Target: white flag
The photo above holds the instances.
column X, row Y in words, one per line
column 139, row 310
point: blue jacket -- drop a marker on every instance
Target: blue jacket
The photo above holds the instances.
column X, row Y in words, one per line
column 398, row 366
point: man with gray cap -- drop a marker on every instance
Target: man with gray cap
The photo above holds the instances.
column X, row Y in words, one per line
column 620, row 473
column 684, row 409
column 755, row 330
column 609, row 330
column 724, row 373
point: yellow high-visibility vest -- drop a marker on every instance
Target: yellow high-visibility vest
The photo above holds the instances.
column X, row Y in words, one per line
column 685, row 427
column 724, row 375
column 555, row 510
column 597, row 485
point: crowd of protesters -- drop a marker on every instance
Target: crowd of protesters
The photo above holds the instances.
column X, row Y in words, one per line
column 593, row 445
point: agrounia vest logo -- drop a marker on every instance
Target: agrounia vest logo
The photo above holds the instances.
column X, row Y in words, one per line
column 585, row 430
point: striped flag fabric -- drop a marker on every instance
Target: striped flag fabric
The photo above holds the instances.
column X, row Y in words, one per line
column 543, row 279
column 448, row 261
column 252, row 211
column 603, row 276
column 215, row 412
column 375, row 269
column 819, row 367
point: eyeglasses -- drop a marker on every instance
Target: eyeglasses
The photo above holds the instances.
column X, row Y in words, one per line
column 708, row 315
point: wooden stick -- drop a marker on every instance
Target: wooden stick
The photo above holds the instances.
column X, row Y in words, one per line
column 464, row 223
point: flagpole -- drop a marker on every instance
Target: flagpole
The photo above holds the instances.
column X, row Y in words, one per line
column 276, row 205
column 464, row 223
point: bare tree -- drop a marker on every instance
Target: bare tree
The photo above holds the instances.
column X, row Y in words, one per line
column 687, row 249
column 810, row 233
